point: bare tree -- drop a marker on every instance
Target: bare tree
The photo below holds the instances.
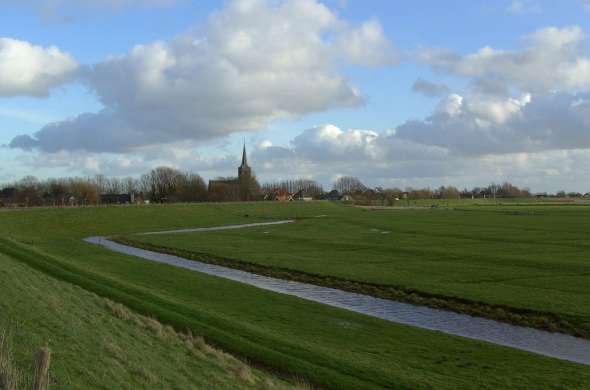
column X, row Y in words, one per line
column 304, row 186
column 348, row 184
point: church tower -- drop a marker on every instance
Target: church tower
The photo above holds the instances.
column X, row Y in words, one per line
column 244, row 177
column 244, row 170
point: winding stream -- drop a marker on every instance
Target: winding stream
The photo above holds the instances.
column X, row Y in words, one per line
column 555, row 345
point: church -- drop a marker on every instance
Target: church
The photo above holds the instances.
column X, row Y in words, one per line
column 242, row 188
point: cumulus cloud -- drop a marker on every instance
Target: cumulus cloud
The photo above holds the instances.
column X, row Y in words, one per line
column 27, row 69
column 520, row 101
column 429, row 88
column 526, row 111
column 329, row 142
column 379, row 158
column 479, row 125
column 367, row 45
column 330, row 146
column 389, row 159
column 255, row 62
column 552, row 60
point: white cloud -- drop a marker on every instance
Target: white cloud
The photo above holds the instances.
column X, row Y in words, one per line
column 368, row 45
column 552, row 60
column 255, row 62
column 27, row 69
column 477, row 125
column 390, row 160
column 265, row 144
column 378, row 158
column 520, row 101
column 329, row 142
column 429, row 88
column 333, row 148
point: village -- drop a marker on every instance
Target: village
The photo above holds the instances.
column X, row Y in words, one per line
column 168, row 185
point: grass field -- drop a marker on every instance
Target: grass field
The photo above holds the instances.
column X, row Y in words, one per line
column 530, row 258
column 330, row 347
column 97, row 343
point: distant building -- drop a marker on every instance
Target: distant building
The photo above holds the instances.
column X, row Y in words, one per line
column 234, row 188
column 117, row 198
column 279, row 195
column 7, row 196
column 332, row 195
column 302, row 195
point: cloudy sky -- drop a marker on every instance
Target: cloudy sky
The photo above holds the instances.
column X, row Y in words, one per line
column 400, row 93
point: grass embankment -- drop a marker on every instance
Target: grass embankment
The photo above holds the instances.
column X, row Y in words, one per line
column 97, row 343
column 328, row 346
column 526, row 265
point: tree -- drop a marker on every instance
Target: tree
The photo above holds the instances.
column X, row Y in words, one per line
column 348, row 184
column 57, row 190
column 305, row 187
column 28, row 191
column 191, row 188
column 85, row 191
column 161, row 183
column 448, row 192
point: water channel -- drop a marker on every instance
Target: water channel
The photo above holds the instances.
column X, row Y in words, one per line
column 555, row 345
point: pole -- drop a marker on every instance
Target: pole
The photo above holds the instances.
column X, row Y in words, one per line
column 42, row 368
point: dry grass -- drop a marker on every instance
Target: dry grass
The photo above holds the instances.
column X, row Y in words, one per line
column 119, row 310
column 9, row 374
column 243, row 372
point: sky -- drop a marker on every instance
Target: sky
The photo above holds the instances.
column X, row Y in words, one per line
column 418, row 93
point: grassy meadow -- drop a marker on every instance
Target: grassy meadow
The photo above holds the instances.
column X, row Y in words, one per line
column 97, row 343
column 533, row 259
column 472, row 254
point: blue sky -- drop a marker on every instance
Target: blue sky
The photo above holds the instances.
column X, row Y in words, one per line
column 358, row 114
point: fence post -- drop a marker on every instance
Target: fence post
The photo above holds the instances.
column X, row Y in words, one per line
column 41, row 369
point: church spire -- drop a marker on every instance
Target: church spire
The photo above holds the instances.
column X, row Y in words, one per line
column 244, row 157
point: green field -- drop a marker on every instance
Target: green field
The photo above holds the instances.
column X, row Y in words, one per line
column 533, row 259
column 96, row 343
column 327, row 346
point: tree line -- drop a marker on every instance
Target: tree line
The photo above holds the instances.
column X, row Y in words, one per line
column 161, row 184
column 309, row 188
column 169, row 185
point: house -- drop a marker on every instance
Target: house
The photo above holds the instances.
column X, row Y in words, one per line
column 279, row 195
column 302, row 196
column 117, row 198
column 347, row 198
column 7, row 196
column 332, row 195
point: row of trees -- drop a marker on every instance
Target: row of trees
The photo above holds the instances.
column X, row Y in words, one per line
column 165, row 184
column 57, row 192
column 352, row 186
column 159, row 185
column 309, row 188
